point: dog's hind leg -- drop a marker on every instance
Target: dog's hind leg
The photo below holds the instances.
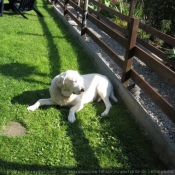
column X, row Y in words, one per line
column 113, row 97
column 108, row 106
column 105, row 93
column 107, row 102
column 39, row 103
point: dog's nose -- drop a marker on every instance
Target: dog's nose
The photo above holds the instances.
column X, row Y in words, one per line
column 82, row 90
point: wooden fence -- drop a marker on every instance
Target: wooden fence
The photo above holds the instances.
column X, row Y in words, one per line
column 133, row 45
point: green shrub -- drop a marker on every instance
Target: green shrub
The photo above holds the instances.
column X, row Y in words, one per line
column 161, row 15
column 170, row 53
column 120, row 22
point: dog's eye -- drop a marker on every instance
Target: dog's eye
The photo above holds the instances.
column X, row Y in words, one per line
column 75, row 81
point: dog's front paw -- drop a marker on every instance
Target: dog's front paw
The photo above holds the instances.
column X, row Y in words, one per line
column 104, row 114
column 71, row 118
column 32, row 108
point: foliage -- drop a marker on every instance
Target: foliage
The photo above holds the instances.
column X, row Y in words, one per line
column 159, row 12
column 138, row 3
column 107, row 3
column 104, row 12
column 92, row 6
column 170, row 53
column 138, row 12
column 120, row 22
column 123, row 7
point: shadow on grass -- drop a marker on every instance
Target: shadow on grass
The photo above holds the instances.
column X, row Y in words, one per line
column 78, row 138
column 84, row 63
column 30, row 97
column 38, row 35
column 11, row 167
column 21, row 72
column 137, row 150
column 84, row 154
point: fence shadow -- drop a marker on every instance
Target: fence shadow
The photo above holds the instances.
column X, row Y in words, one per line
column 10, row 167
column 21, row 71
column 30, row 97
column 74, row 132
column 78, row 139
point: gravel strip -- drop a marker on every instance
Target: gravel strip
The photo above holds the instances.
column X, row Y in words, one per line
column 167, row 91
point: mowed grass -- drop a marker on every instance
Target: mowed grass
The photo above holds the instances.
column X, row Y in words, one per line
column 32, row 52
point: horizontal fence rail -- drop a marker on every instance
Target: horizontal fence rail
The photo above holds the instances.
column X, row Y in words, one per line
column 135, row 47
column 106, row 49
column 154, row 95
column 110, row 23
column 156, row 51
column 120, row 15
column 113, row 34
column 156, row 66
column 168, row 39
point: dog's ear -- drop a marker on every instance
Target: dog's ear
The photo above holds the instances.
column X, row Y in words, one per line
column 61, row 84
column 61, row 80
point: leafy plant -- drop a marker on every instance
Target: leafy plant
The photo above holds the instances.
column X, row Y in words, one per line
column 157, row 13
column 92, row 6
column 170, row 53
column 108, row 3
column 123, row 8
column 138, row 12
column 120, row 22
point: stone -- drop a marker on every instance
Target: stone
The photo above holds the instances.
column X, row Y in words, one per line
column 14, row 129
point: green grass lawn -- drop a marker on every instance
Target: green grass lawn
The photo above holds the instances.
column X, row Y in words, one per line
column 32, row 52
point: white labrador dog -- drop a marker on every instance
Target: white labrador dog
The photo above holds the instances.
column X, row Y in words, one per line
column 74, row 90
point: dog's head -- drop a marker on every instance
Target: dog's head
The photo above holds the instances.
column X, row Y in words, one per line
column 70, row 82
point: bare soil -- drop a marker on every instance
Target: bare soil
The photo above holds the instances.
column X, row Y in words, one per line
column 14, row 129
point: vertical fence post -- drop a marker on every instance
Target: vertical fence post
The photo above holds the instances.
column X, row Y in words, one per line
column 99, row 9
column 130, row 51
column 78, row 13
column 131, row 11
column 84, row 19
column 65, row 7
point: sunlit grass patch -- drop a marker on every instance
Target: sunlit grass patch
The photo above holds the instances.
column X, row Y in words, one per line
column 32, row 52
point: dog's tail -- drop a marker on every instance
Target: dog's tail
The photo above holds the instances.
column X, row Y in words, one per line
column 113, row 97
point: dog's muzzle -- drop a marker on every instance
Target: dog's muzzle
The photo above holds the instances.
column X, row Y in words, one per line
column 82, row 90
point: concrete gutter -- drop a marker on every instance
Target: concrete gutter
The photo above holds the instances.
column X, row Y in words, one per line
column 144, row 119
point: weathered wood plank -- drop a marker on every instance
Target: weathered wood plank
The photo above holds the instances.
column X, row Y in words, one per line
column 109, row 23
column 131, row 12
column 130, row 51
column 74, row 18
column 120, row 15
column 106, row 49
column 156, row 51
column 113, row 34
column 65, row 7
column 165, row 106
column 168, row 39
column 60, row 4
column 166, row 73
column 76, row 7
